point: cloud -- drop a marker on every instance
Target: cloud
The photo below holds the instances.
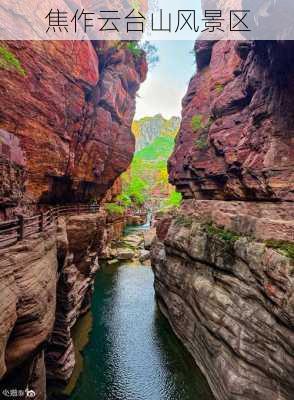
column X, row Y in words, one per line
column 159, row 97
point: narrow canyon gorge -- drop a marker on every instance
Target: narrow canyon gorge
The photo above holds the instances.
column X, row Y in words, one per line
column 222, row 261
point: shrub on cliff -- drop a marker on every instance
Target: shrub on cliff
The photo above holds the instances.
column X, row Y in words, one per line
column 9, row 62
column 114, row 208
column 138, row 49
column 228, row 237
column 135, row 49
column 174, row 200
column 201, row 143
column 197, row 122
column 219, row 88
column 285, row 248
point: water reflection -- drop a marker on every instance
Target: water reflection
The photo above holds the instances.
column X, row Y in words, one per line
column 132, row 353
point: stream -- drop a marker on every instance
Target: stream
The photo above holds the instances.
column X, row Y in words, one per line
column 132, row 353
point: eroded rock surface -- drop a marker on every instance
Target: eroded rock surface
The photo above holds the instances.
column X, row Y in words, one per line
column 12, row 173
column 236, row 137
column 28, row 299
column 79, row 242
column 229, row 297
column 46, row 285
column 72, row 113
column 223, row 263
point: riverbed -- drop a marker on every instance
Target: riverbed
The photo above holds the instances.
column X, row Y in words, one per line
column 132, row 353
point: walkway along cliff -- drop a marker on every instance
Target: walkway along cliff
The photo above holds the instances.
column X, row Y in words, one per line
column 223, row 262
column 65, row 137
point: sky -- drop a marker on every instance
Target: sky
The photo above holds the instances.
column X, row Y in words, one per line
column 167, row 82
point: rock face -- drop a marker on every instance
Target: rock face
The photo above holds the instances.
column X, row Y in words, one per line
column 28, row 299
column 128, row 248
column 79, row 242
column 47, row 284
column 12, row 173
column 137, row 219
column 149, row 128
column 223, row 263
column 229, row 297
column 236, row 137
column 115, row 226
column 72, row 113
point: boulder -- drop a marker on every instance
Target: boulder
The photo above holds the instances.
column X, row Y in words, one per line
column 148, row 238
column 125, row 254
column 133, row 240
column 144, row 255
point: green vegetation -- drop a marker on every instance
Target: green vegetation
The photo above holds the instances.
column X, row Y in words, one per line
column 134, row 191
column 173, row 200
column 114, row 208
column 147, row 177
column 230, row 238
column 219, row 87
column 159, row 149
column 135, row 49
column 183, row 220
column 123, row 200
column 285, row 248
column 148, row 173
column 136, row 4
column 197, row 122
column 201, row 143
column 138, row 48
column 9, row 62
column 223, row 234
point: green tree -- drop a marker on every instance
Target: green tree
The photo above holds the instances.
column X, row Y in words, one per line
column 151, row 51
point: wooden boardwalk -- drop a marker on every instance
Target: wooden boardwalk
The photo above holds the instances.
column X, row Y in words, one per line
column 22, row 227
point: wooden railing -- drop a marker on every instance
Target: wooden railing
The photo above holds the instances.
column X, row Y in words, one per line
column 23, row 227
column 132, row 213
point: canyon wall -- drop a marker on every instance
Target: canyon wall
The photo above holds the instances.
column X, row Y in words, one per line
column 236, row 136
column 223, row 262
column 80, row 240
column 29, row 272
column 65, row 137
column 71, row 111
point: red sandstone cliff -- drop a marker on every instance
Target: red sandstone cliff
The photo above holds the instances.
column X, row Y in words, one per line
column 240, row 145
column 72, row 114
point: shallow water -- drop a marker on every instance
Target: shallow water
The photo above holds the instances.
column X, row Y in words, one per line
column 132, row 353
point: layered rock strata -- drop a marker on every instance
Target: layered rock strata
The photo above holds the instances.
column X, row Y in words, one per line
column 12, row 173
column 72, row 111
column 224, row 268
column 229, row 296
column 79, row 243
column 28, row 299
column 236, row 136
column 47, row 284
